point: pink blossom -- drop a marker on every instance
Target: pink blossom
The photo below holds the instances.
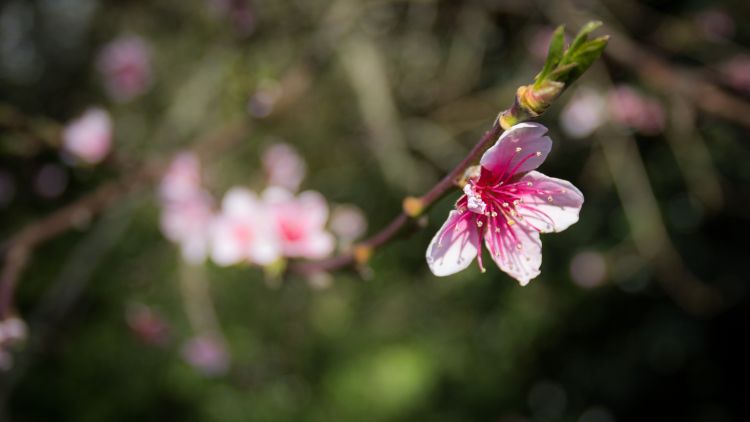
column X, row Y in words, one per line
column 147, row 324
column 630, row 108
column 125, row 66
column 207, row 354
column 736, row 72
column 348, row 223
column 187, row 209
column 583, row 114
column 716, row 24
column 51, row 181
column 89, row 137
column 283, row 166
column 240, row 13
column 509, row 205
column 243, row 231
column 588, row 269
column 182, row 179
column 188, row 224
column 299, row 223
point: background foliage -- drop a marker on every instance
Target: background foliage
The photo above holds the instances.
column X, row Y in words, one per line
column 382, row 98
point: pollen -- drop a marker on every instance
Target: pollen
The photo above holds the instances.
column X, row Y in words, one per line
column 511, row 222
column 539, row 153
column 518, row 149
column 549, row 198
column 479, row 224
column 529, row 184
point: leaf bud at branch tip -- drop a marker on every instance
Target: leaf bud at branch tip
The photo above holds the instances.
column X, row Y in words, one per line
column 412, row 206
column 362, row 254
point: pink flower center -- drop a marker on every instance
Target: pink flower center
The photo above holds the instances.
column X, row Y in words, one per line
column 243, row 234
column 291, row 231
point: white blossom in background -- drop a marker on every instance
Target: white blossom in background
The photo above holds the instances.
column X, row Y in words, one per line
column 187, row 209
column 207, row 354
column 736, row 72
column 13, row 330
column 283, row 166
column 89, row 137
column 348, row 223
column 125, row 67
column 588, row 269
column 243, row 231
column 299, row 223
column 584, row 113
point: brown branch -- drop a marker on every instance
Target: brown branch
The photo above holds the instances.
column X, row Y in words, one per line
column 362, row 250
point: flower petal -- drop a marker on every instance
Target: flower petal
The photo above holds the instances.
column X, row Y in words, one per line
column 454, row 246
column 517, row 251
column 519, row 149
column 550, row 205
column 240, row 202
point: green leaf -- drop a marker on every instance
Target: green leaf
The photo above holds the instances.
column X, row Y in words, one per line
column 583, row 35
column 554, row 55
column 585, row 56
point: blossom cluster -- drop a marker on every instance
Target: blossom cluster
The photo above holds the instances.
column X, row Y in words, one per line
column 246, row 227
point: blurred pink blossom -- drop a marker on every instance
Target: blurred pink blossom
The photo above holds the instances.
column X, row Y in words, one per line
column 187, row 209
column 583, row 114
column 507, row 205
column 125, row 66
column 284, row 167
column 51, row 181
column 182, row 179
column 736, row 72
column 715, row 24
column 207, row 354
column 631, row 108
column 588, row 269
column 89, row 137
column 299, row 223
column 243, row 231
column 239, row 13
column 12, row 332
column 147, row 325
column 348, row 223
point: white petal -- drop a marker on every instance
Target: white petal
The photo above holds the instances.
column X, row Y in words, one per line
column 555, row 209
column 455, row 245
column 518, row 254
column 240, row 201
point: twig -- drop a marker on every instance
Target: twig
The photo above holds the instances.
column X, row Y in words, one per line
column 362, row 250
